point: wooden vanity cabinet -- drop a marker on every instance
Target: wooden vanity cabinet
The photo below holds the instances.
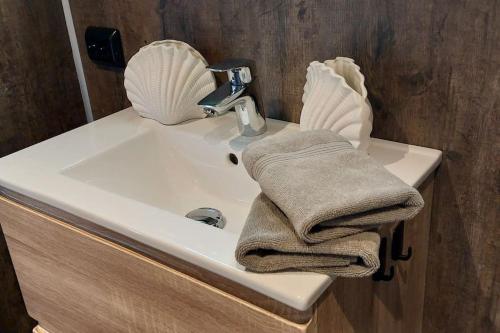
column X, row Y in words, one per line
column 75, row 281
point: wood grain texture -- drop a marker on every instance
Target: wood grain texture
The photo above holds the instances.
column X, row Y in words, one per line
column 180, row 265
column 13, row 314
column 39, row 98
column 105, row 86
column 432, row 74
column 73, row 281
column 39, row 92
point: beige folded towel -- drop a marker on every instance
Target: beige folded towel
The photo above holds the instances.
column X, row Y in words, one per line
column 325, row 187
column 320, row 200
column 268, row 243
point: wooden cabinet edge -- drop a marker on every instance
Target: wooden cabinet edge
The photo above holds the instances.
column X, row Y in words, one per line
column 20, row 212
column 179, row 265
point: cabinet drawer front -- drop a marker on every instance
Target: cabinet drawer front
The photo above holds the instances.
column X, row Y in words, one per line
column 73, row 281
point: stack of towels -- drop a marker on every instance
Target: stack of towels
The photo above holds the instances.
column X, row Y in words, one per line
column 321, row 204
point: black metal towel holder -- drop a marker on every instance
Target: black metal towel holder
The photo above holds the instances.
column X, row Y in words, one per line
column 396, row 253
column 398, row 243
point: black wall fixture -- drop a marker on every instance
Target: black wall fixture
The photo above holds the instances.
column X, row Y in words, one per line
column 104, row 46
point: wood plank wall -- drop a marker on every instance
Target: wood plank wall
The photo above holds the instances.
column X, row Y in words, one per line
column 432, row 70
column 39, row 98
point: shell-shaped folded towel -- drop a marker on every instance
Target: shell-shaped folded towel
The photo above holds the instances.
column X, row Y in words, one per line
column 335, row 98
column 325, row 187
column 268, row 243
column 166, row 79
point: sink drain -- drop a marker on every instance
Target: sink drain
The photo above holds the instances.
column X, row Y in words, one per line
column 210, row 216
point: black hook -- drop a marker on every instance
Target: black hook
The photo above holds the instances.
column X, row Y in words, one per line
column 397, row 244
column 380, row 274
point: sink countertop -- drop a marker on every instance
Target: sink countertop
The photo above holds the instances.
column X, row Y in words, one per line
column 58, row 172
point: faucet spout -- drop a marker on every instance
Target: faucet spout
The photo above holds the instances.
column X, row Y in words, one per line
column 230, row 95
column 221, row 100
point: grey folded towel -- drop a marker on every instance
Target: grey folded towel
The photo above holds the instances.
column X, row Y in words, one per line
column 320, row 199
column 325, row 187
column 268, row 243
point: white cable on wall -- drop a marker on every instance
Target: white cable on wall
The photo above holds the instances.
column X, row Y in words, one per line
column 78, row 60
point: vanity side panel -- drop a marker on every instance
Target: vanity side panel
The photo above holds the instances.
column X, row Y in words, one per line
column 73, row 281
column 362, row 305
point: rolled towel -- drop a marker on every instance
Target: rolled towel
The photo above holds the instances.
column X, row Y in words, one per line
column 268, row 243
column 325, row 187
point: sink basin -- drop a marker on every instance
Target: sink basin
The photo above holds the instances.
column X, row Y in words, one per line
column 173, row 171
column 139, row 178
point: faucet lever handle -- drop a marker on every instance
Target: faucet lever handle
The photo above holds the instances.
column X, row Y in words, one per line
column 238, row 70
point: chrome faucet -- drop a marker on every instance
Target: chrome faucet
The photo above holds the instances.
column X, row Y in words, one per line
column 230, row 95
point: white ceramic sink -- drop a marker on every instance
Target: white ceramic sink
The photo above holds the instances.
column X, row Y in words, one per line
column 173, row 171
column 139, row 178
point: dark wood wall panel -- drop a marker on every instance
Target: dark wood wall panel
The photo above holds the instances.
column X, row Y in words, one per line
column 39, row 92
column 432, row 71
column 39, row 98
column 105, row 86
